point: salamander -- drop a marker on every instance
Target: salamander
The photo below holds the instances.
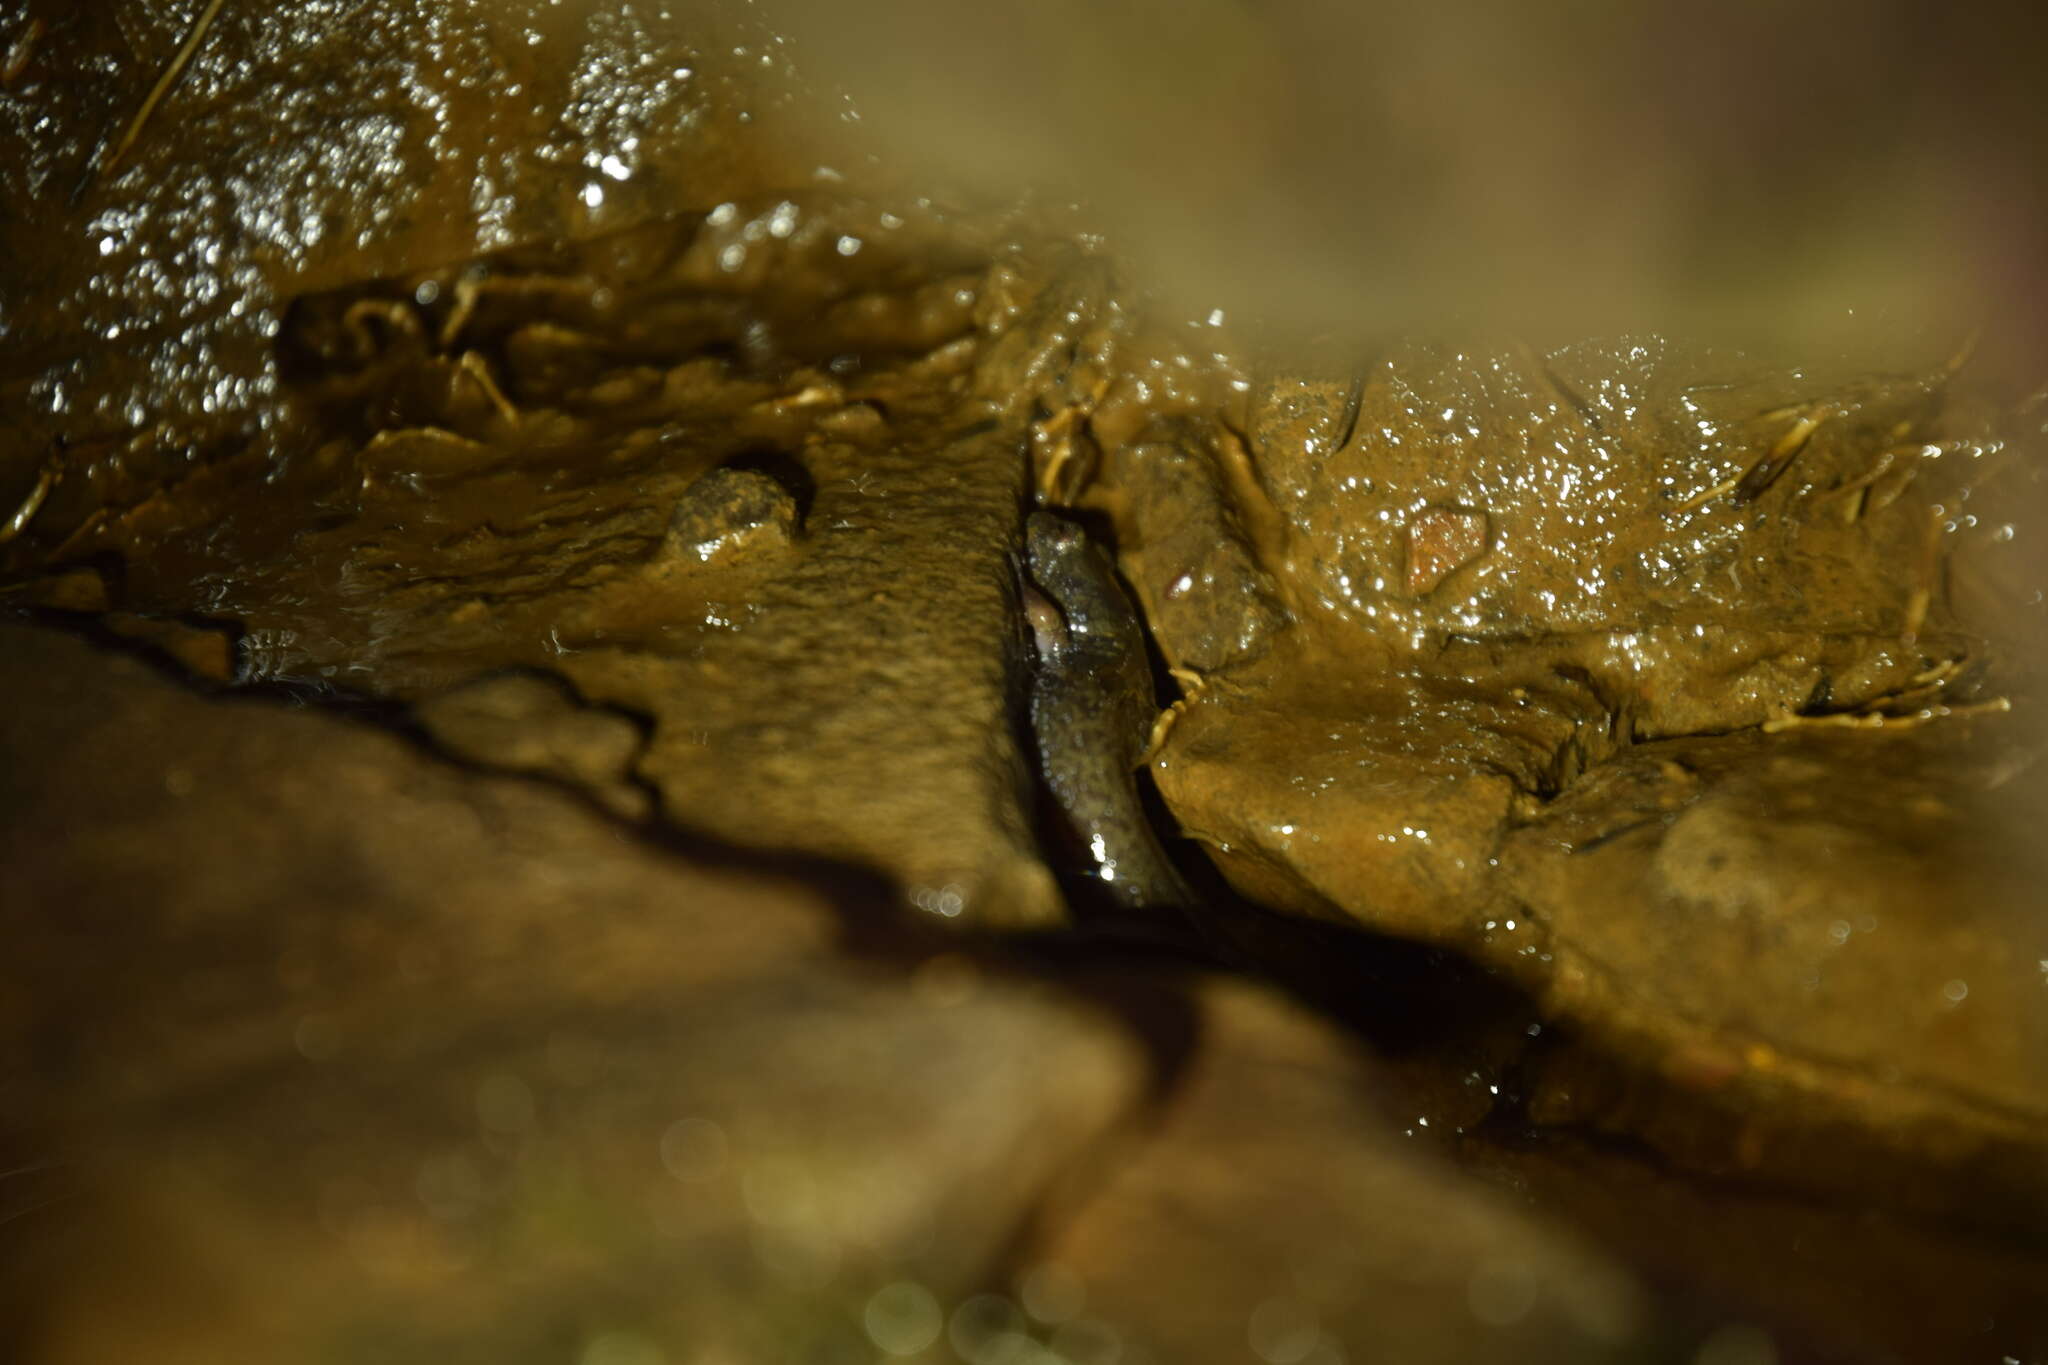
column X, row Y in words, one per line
column 1092, row 708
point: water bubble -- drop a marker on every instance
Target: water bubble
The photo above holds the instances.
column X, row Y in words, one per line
column 946, row 901
column 1283, row 1331
column 317, row 1037
column 903, row 1318
column 1051, row 1293
column 780, row 1193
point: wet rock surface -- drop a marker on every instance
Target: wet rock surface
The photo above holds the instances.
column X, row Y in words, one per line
column 313, row 144
column 527, row 836
column 387, row 1061
column 689, row 513
column 532, row 723
column 1766, row 867
column 399, row 1062
column 1221, row 1239
column 1472, row 753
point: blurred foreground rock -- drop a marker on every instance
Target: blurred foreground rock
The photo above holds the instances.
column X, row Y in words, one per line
column 318, row 1049
column 1278, row 1209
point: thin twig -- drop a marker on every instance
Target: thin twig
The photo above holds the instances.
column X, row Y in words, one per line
column 163, row 86
column 25, row 511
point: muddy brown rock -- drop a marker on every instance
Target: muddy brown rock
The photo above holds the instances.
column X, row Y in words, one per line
column 201, row 881
column 856, row 700
column 302, row 147
column 1710, row 539
column 1817, row 943
column 1184, row 542
column 317, row 1045
column 701, row 523
column 1618, row 545
column 530, row 723
column 1604, row 543
column 1214, row 1242
column 731, row 511
column 1375, row 796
